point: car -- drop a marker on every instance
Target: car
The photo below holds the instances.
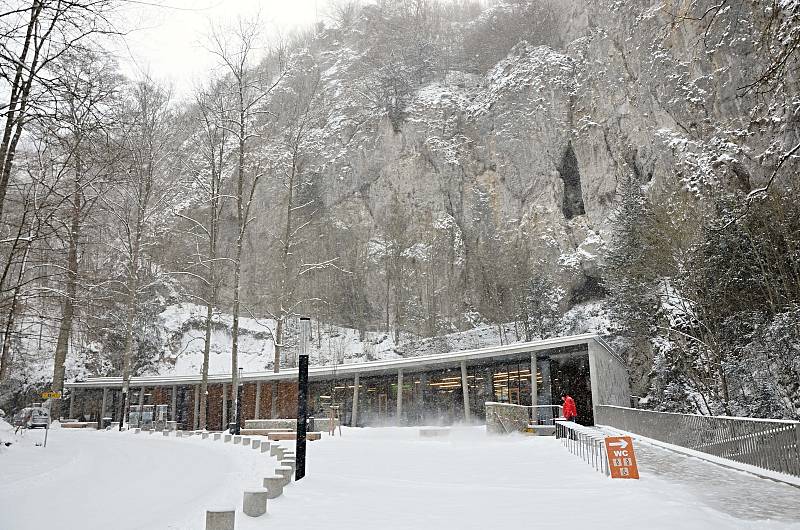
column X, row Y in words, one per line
column 32, row 417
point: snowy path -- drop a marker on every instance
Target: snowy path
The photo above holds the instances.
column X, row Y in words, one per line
column 385, row 478
column 391, row 479
column 741, row 494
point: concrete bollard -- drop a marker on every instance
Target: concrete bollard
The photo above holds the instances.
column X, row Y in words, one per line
column 285, row 472
column 245, row 440
column 290, row 463
column 274, row 485
column 237, row 440
column 265, row 447
column 220, row 519
column 204, row 435
column 228, row 438
column 254, row 503
column 256, row 444
column 217, row 436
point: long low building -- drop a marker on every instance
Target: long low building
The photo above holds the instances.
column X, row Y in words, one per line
column 423, row 390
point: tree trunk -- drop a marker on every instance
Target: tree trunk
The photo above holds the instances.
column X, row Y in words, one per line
column 68, row 310
column 278, row 345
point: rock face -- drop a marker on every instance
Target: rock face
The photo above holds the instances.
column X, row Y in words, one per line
column 533, row 151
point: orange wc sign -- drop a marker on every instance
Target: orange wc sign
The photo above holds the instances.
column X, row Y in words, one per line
column 621, row 458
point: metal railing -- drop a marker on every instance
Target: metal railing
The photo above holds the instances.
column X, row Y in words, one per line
column 585, row 442
column 768, row 444
column 505, row 418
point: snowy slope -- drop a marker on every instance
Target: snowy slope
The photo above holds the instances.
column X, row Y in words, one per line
column 184, row 325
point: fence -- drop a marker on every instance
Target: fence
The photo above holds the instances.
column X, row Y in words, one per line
column 768, row 444
column 588, row 444
column 505, row 418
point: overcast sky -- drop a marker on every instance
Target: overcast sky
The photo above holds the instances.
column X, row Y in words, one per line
column 168, row 41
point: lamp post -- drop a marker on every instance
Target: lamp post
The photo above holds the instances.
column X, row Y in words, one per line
column 302, row 398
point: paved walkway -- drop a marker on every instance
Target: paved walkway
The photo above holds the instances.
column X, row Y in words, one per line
column 743, row 495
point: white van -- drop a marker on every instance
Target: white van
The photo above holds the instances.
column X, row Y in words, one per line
column 32, row 417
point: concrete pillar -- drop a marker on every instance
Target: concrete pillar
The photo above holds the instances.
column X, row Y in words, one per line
column 534, row 390
column 224, row 406
column 547, row 391
column 273, row 412
column 399, row 397
column 104, row 403
column 72, row 402
column 465, row 390
column 255, row 502
column 174, row 407
column 196, row 416
column 220, row 519
column 258, row 401
column 354, row 415
column 141, row 397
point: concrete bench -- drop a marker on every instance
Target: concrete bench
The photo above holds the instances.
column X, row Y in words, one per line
column 237, row 440
column 165, row 433
column 204, row 436
column 245, row 440
column 434, row 432
column 178, row 434
column 79, row 425
column 276, row 450
column 254, row 503
column 228, row 438
column 265, row 447
column 220, row 519
column 217, row 436
column 274, row 485
column 285, row 472
column 255, row 444
column 265, row 432
column 310, row 436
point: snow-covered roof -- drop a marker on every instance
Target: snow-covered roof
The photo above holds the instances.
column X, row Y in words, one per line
column 368, row 368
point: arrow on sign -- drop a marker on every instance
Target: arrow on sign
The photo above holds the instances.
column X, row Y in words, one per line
column 622, row 444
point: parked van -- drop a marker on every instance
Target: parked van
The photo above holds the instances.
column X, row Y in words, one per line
column 32, row 417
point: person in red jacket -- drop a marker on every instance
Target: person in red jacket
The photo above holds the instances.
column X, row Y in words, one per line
column 570, row 412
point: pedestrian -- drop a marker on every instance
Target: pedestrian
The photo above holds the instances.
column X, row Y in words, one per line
column 569, row 411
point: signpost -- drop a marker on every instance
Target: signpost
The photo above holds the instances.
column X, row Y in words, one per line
column 302, row 398
column 51, row 395
column 621, row 457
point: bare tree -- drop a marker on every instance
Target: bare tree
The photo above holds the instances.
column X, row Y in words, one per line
column 210, row 177
column 88, row 84
column 33, row 35
column 139, row 204
column 236, row 48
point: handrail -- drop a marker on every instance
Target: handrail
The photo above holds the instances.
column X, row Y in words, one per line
column 587, row 443
column 768, row 444
column 517, row 418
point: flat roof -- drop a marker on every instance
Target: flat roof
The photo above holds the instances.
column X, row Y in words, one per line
column 411, row 364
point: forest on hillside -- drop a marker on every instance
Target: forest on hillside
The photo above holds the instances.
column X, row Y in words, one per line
column 419, row 168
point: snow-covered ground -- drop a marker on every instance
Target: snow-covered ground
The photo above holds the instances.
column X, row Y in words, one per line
column 387, row 478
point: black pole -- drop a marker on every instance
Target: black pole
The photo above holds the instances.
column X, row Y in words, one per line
column 302, row 398
column 302, row 416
